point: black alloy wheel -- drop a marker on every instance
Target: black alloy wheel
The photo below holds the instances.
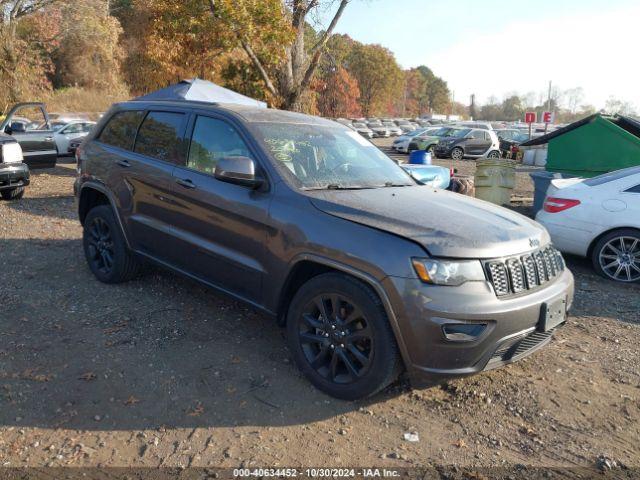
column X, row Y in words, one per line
column 105, row 247
column 340, row 337
column 336, row 338
column 100, row 246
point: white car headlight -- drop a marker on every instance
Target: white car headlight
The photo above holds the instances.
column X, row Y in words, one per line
column 446, row 272
column 11, row 153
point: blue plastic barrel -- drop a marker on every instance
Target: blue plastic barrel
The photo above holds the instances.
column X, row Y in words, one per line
column 420, row 157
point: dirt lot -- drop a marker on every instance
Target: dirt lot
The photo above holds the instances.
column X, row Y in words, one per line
column 162, row 372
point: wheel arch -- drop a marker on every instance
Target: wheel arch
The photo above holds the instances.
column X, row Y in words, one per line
column 595, row 241
column 305, row 267
column 92, row 195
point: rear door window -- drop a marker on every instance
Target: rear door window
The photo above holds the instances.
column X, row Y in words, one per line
column 160, row 136
column 121, row 129
column 213, row 139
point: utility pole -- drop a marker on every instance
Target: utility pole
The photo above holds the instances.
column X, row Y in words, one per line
column 472, row 107
column 549, row 98
column 546, row 125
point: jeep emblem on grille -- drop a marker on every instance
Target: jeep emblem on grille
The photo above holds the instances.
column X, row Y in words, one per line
column 534, row 242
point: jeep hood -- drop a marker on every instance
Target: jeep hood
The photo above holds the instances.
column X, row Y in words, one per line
column 446, row 224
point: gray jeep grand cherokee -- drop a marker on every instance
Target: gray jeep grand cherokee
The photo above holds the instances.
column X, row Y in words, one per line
column 307, row 221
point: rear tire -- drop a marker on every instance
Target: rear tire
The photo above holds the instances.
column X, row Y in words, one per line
column 340, row 337
column 494, row 154
column 105, row 248
column 457, row 153
column 616, row 256
column 13, row 194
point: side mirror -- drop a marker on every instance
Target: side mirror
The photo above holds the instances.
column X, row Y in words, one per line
column 238, row 170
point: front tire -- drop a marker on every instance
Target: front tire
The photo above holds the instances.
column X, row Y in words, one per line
column 616, row 256
column 105, row 248
column 457, row 153
column 340, row 337
column 13, row 194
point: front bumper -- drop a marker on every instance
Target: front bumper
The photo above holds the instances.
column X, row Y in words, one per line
column 512, row 325
column 13, row 175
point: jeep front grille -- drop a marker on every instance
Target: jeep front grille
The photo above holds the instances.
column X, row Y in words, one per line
column 514, row 275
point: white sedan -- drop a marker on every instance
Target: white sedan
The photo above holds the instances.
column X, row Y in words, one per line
column 65, row 131
column 598, row 218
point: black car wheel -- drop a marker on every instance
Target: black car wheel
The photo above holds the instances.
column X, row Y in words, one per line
column 431, row 148
column 13, row 194
column 457, row 153
column 105, row 248
column 340, row 337
column 494, row 154
column 616, row 256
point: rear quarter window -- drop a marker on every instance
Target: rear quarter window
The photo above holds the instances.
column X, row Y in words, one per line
column 120, row 130
column 635, row 189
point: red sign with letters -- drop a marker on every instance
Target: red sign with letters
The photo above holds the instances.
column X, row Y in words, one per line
column 547, row 117
column 530, row 117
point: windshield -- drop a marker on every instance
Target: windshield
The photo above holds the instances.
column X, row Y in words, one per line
column 326, row 157
column 520, row 137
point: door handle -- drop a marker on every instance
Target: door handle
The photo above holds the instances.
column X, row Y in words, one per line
column 185, row 182
column 123, row 163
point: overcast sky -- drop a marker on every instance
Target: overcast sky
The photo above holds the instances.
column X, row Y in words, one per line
column 495, row 47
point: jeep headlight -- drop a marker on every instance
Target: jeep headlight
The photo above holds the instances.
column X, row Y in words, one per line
column 11, row 153
column 448, row 272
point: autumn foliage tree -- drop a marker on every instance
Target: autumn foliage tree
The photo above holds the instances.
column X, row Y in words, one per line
column 88, row 52
column 378, row 74
column 292, row 76
column 338, row 94
column 23, row 63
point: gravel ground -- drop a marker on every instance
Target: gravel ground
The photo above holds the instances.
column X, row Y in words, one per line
column 162, row 372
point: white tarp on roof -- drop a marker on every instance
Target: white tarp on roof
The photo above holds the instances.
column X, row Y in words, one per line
column 201, row 91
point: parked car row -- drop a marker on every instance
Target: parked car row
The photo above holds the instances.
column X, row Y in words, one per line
column 509, row 137
column 384, row 127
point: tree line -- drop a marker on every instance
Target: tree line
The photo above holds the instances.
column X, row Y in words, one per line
column 84, row 54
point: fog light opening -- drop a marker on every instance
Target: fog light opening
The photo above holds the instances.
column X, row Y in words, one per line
column 463, row 332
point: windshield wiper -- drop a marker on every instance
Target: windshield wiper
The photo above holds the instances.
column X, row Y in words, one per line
column 391, row 184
